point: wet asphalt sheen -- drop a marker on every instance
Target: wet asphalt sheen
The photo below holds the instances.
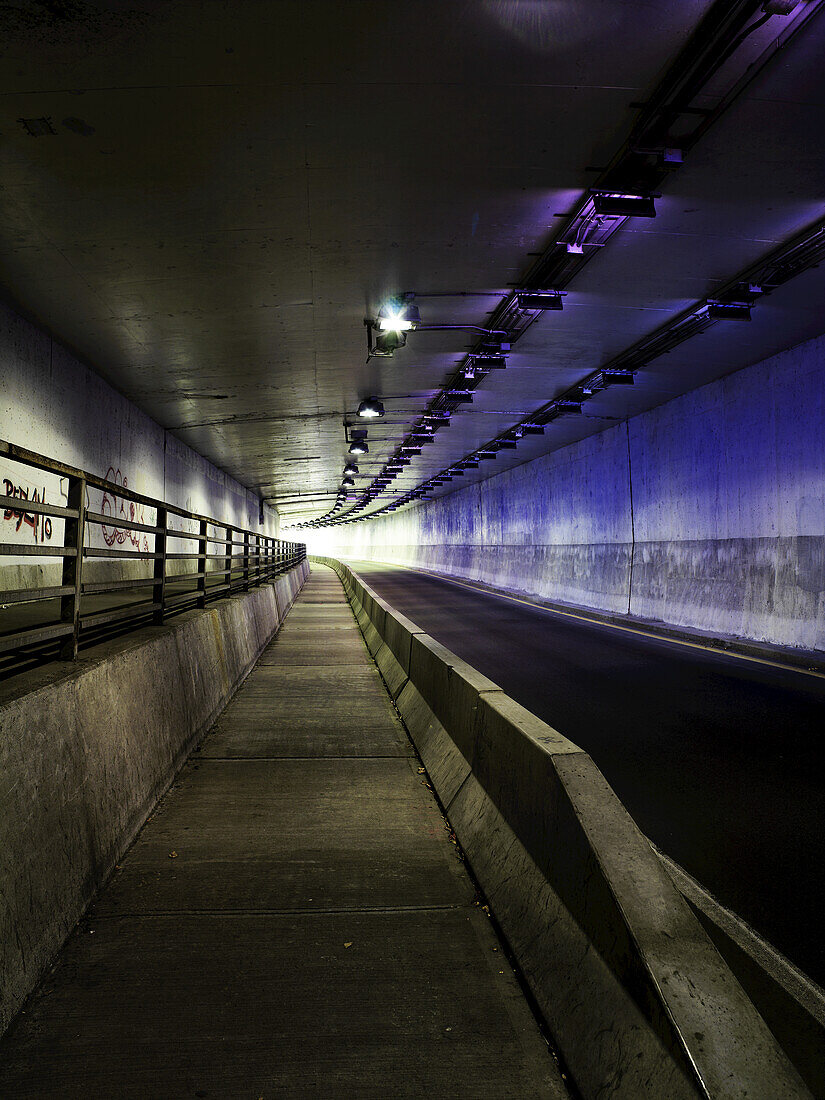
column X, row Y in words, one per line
column 719, row 759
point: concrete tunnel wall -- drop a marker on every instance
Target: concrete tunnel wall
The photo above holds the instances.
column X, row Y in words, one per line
column 53, row 404
column 706, row 512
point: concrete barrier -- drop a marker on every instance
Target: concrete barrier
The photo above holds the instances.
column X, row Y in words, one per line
column 87, row 749
column 636, row 995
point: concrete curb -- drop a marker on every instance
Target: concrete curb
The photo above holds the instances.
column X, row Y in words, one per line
column 633, row 990
column 88, row 748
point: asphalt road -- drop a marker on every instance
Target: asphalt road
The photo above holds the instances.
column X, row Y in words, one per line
column 719, row 759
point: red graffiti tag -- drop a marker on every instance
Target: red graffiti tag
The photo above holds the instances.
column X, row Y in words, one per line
column 118, row 508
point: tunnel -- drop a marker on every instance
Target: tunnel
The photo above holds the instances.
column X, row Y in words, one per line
column 412, row 610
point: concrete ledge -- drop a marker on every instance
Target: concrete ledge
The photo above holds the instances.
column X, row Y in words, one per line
column 638, row 998
column 87, row 749
column 447, row 767
column 792, row 1005
column 394, row 675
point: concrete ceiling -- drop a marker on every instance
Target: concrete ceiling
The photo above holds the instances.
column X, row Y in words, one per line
column 230, row 188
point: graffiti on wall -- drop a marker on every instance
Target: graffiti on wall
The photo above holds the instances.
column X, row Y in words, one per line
column 39, row 526
column 118, row 508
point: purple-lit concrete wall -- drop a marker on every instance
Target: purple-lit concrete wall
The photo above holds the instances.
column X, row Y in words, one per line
column 724, row 529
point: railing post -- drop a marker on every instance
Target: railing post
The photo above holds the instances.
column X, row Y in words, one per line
column 73, row 566
column 159, row 587
column 246, row 561
column 202, row 552
column 227, row 559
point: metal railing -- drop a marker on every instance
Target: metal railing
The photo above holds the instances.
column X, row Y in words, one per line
column 53, row 620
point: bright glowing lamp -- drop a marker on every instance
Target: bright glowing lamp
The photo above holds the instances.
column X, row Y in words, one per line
column 398, row 318
column 370, row 408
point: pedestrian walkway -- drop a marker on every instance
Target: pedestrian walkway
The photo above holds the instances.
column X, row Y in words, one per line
column 293, row 920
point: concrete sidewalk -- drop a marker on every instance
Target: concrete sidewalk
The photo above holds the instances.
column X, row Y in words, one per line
column 292, row 921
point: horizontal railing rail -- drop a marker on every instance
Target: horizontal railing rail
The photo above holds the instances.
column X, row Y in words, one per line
column 225, row 559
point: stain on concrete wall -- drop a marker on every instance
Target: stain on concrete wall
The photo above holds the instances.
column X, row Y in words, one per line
column 724, row 529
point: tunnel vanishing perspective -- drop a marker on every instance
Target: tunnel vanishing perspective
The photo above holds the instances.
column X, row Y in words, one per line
column 412, row 612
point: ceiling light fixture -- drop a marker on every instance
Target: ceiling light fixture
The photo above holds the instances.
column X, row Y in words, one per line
column 489, row 362
column 617, row 204
column 617, row 377
column 608, row 377
column 350, row 468
column 729, row 311
column 398, row 315
column 387, row 343
column 563, row 407
column 601, row 214
column 388, row 332
column 370, row 408
column 540, row 299
column 359, row 447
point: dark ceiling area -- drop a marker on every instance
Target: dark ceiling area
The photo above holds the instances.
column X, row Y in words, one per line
column 207, row 200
